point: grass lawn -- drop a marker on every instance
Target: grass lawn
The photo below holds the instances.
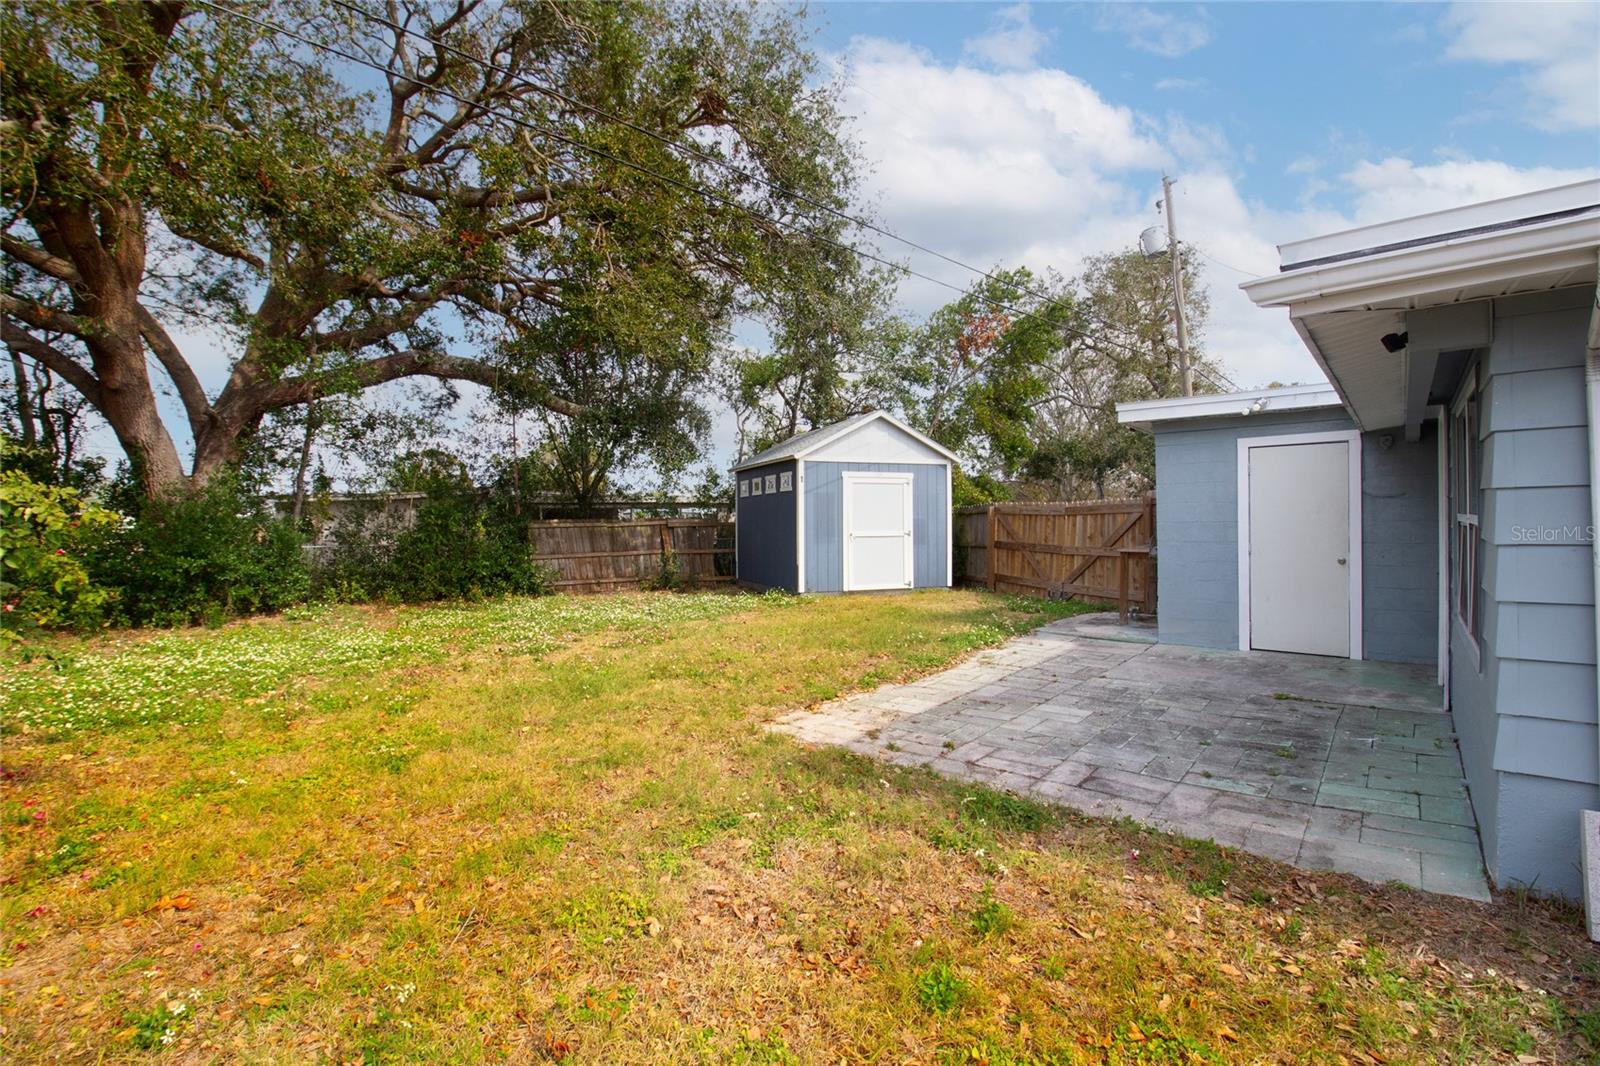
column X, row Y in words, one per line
column 556, row 829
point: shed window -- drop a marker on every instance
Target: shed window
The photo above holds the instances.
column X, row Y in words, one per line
column 772, row 482
column 785, row 482
column 744, row 486
column 1466, row 452
column 755, row 486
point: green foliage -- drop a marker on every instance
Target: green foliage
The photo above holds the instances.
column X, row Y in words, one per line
column 1005, row 811
column 1123, row 348
column 835, row 349
column 204, row 557
column 43, row 580
column 940, row 989
column 974, row 374
column 973, row 490
column 460, row 546
column 565, row 221
column 991, row 917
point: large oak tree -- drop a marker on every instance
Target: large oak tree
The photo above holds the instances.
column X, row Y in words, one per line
column 167, row 164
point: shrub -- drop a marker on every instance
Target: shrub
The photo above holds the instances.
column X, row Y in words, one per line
column 203, row 557
column 458, row 547
column 43, row 580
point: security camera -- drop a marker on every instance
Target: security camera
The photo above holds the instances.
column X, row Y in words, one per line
column 1393, row 342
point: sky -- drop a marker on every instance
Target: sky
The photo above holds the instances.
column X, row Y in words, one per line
column 1037, row 134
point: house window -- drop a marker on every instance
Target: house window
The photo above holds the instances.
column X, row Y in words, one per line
column 785, row 482
column 772, row 483
column 744, row 486
column 1466, row 453
column 755, row 486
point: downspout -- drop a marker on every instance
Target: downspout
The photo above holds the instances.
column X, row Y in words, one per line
column 1591, row 376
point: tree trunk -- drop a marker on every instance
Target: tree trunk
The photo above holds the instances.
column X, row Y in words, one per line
column 19, row 374
column 305, row 461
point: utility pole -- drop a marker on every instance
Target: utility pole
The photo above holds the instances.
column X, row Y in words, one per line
column 1177, row 287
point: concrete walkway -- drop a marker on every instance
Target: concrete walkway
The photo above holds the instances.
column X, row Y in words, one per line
column 1324, row 763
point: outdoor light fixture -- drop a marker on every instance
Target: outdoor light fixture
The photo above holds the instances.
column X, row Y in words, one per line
column 1393, row 342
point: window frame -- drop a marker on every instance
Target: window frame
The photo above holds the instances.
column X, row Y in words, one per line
column 1466, row 507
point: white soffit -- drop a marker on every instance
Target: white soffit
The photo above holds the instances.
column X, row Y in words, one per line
column 1342, row 301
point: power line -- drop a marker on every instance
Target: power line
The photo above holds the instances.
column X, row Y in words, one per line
column 703, row 156
column 667, row 178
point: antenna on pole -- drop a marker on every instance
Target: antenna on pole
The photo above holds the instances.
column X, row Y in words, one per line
column 1177, row 287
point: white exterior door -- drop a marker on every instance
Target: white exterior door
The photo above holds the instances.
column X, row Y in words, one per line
column 877, row 531
column 1300, row 555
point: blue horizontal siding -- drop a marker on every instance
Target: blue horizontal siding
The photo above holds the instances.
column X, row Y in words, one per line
column 824, row 522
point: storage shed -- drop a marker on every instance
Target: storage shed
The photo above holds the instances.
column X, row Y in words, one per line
column 860, row 505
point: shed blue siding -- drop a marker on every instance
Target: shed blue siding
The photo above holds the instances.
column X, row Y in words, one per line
column 824, row 522
column 1197, row 532
column 1525, row 707
column 764, row 531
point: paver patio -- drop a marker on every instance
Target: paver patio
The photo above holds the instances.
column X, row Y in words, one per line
column 1324, row 763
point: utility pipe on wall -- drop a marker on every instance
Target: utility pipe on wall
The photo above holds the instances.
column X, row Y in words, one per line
column 1591, row 376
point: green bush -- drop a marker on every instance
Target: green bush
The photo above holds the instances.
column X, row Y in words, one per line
column 204, row 557
column 43, row 580
column 459, row 547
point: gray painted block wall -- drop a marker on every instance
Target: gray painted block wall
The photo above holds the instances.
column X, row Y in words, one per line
column 764, row 532
column 1400, row 546
column 1525, row 709
column 1197, row 520
column 824, row 521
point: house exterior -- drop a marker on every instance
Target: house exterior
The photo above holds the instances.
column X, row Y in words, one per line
column 1432, row 503
column 860, row 505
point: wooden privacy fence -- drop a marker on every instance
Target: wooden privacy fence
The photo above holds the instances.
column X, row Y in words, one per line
column 1098, row 550
column 594, row 555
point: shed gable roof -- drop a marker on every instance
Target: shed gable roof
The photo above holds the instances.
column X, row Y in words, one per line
column 799, row 446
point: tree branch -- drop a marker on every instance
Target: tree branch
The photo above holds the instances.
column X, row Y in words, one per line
column 47, row 318
column 68, row 369
column 39, row 259
column 195, row 403
column 225, row 248
column 406, row 364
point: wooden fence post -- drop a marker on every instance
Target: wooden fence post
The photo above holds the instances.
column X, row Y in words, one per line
column 990, row 551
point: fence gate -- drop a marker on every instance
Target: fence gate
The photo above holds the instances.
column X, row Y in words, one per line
column 1097, row 550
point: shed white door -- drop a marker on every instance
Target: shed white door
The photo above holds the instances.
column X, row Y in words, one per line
column 1300, row 558
column 877, row 531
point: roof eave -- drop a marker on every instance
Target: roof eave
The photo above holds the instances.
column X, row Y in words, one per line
column 1428, row 268
column 1144, row 414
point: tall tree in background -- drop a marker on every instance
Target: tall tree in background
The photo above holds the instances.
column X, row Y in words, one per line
column 166, row 163
column 631, row 409
column 831, row 340
column 1124, row 348
column 974, row 373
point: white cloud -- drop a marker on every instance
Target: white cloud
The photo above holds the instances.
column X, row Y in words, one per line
column 1012, row 42
column 1037, row 168
column 1179, row 84
column 1395, row 187
column 1555, row 44
column 1165, row 33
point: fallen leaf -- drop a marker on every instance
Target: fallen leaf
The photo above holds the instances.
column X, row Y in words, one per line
column 180, row 902
column 1224, row 1033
